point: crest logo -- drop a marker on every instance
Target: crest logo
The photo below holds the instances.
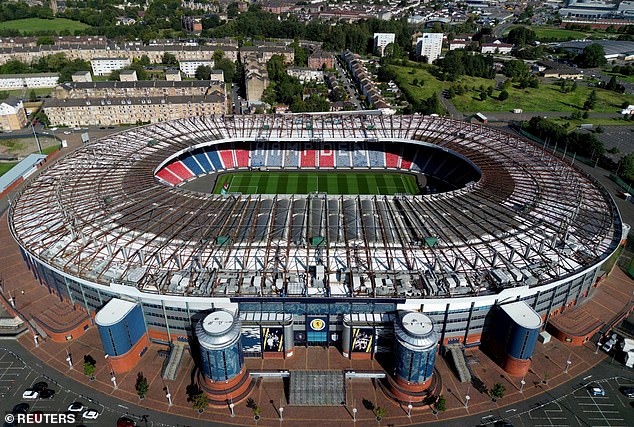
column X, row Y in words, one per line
column 317, row 324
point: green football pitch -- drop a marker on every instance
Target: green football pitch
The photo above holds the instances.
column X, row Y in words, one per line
column 322, row 182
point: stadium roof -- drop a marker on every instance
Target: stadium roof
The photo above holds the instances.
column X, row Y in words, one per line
column 530, row 219
column 19, row 170
column 611, row 47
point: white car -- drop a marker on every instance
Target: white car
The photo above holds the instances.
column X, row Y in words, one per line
column 76, row 407
column 67, row 133
column 30, row 394
column 90, row 414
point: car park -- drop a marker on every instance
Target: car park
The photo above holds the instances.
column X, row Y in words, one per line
column 76, row 407
column 596, row 390
column 30, row 394
column 90, row 414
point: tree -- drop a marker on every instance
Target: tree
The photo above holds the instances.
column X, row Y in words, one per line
column 200, row 402
column 380, row 412
column 45, row 41
column 145, row 60
column 591, row 101
column 593, row 56
column 32, row 95
column 203, row 72
column 141, row 385
column 498, row 390
column 611, row 85
column 89, row 369
column 521, row 36
column 227, row 67
column 89, row 366
column 441, row 404
column 169, row 59
column 483, row 96
column 503, row 96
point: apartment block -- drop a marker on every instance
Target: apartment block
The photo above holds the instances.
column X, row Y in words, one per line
column 105, row 66
column 429, row 45
column 21, row 81
column 12, row 114
column 381, row 40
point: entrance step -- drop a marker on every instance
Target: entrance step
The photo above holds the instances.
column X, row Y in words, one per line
column 317, row 388
column 173, row 363
column 456, row 357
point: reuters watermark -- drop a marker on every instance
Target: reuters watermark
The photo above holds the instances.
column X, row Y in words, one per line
column 40, row 418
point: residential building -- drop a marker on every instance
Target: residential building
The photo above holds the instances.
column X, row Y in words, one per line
column 189, row 67
column 118, row 111
column 34, row 80
column 173, row 76
column 318, row 59
column 497, row 47
column 457, row 44
column 264, row 51
column 138, row 89
column 362, row 78
column 381, row 40
column 256, row 80
column 12, row 114
column 305, row 74
column 105, row 66
column 429, row 46
column 128, row 76
column 82, row 76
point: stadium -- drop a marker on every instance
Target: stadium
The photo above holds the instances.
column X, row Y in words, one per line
column 368, row 233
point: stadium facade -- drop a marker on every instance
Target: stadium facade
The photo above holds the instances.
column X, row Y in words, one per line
column 502, row 221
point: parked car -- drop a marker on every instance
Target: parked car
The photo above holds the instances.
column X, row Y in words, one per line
column 90, row 414
column 47, row 394
column 20, row 408
column 30, row 394
column 125, row 422
column 39, row 386
column 596, row 390
column 628, row 391
column 76, row 407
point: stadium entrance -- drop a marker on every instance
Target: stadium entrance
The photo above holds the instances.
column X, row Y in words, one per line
column 317, row 331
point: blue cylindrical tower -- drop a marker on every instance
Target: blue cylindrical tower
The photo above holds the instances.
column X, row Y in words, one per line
column 219, row 338
column 416, row 346
column 123, row 333
column 222, row 360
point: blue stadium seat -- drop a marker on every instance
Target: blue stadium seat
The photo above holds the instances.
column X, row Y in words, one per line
column 213, row 156
column 192, row 165
column 359, row 156
column 376, row 155
column 342, row 158
column 258, row 154
column 291, row 156
column 274, row 155
column 204, row 162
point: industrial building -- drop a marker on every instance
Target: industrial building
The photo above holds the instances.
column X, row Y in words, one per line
column 510, row 236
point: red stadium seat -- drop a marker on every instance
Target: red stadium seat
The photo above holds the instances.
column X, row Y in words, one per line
column 227, row 158
column 166, row 175
column 179, row 169
column 242, row 157
column 326, row 156
column 308, row 157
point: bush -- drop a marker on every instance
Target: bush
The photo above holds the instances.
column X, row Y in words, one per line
column 504, row 95
column 498, row 391
column 441, row 404
column 380, row 412
column 200, row 402
column 141, row 385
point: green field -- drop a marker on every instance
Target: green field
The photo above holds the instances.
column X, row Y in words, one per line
column 4, row 167
column 546, row 98
column 35, row 25
column 322, row 182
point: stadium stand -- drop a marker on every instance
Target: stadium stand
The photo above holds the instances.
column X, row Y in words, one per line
column 192, row 164
column 376, row 155
column 168, row 176
column 227, row 156
column 180, row 170
column 359, row 156
column 214, row 158
column 308, row 157
column 326, row 155
column 203, row 160
column 258, row 154
column 242, row 155
column 274, row 155
column 291, row 157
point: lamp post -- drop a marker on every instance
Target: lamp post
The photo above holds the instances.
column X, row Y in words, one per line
column 568, row 363
column 522, row 386
column 168, row 395
column 231, row 405
column 354, row 411
column 69, row 360
column 114, row 381
column 409, row 410
column 466, row 401
column 281, row 414
column 113, row 378
column 596, row 350
column 35, row 337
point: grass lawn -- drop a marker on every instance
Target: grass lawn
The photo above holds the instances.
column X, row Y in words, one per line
column 4, row 167
column 324, row 182
column 574, row 124
column 33, row 25
column 621, row 77
column 546, row 98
